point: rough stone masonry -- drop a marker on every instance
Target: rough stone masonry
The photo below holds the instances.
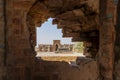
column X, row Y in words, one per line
column 89, row 21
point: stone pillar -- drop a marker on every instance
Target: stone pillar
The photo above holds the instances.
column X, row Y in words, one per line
column 2, row 40
column 106, row 47
column 117, row 45
column 20, row 52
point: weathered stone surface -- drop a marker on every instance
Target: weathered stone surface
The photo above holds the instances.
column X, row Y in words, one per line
column 117, row 45
column 75, row 72
column 77, row 16
column 78, row 12
column 54, row 3
column 2, row 72
column 71, row 34
column 106, row 51
column 117, row 70
column 2, row 41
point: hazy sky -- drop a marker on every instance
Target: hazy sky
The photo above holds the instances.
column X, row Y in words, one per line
column 48, row 32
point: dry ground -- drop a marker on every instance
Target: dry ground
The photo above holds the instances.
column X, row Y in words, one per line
column 59, row 58
column 51, row 56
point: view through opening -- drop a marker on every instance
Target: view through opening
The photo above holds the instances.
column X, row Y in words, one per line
column 52, row 46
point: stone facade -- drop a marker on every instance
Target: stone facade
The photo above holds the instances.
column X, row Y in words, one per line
column 79, row 19
column 55, row 47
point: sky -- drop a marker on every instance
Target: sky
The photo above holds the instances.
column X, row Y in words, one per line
column 48, row 32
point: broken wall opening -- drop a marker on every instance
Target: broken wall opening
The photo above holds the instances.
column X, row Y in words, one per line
column 48, row 36
column 71, row 26
column 21, row 56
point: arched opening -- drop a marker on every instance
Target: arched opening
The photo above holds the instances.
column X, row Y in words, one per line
column 56, row 47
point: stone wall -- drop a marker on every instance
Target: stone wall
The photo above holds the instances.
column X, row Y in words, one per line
column 86, row 70
column 2, row 40
column 19, row 25
column 107, row 37
column 117, row 45
column 91, row 49
column 20, row 53
column 51, row 48
column 21, row 35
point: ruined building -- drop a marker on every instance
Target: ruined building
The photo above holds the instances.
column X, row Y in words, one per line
column 94, row 22
column 55, row 47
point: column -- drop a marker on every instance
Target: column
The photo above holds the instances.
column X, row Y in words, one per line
column 106, row 47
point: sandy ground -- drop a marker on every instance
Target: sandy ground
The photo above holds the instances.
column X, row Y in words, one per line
column 51, row 56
